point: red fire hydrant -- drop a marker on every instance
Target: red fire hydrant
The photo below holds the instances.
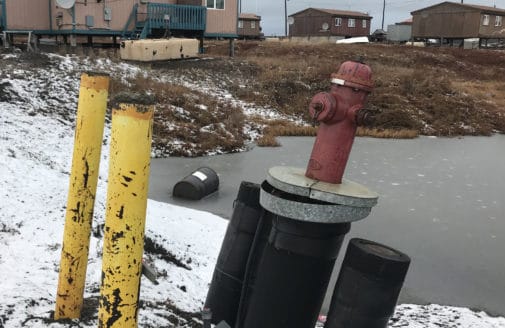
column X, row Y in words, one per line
column 339, row 111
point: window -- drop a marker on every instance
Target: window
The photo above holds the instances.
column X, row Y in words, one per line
column 485, row 20
column 351, row 22
column 497, row 21
column 215, row 4
column 363, row 23
column 253, row 24
column 240, row 24
column 338, row 21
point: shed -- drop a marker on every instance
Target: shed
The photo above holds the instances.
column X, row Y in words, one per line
column 449, row 21
column 329, row 22
column 249, row 26
column 400, row 32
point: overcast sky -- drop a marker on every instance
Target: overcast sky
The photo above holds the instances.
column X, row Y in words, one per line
column 272, row 11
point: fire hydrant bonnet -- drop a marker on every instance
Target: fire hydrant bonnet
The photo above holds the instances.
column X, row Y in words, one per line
column 354, row 75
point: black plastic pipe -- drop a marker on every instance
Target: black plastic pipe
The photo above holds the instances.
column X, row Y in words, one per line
column 289, row 273
column 368, row 286
column 225, row 289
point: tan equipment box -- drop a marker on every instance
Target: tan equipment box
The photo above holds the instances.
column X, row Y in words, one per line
column 158, row 49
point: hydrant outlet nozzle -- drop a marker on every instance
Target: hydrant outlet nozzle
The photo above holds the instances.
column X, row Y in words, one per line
column 322, row 107
column 365, row 117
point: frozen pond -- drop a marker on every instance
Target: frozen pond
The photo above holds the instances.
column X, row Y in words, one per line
column 442, row 201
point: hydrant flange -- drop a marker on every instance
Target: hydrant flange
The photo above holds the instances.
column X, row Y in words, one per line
column 293, row 180
column 289, row 193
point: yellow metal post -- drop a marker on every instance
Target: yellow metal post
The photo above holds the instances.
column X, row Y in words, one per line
column 90, row 121
column 123, row 246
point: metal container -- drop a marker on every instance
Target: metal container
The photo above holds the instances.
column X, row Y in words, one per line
column 197, row 185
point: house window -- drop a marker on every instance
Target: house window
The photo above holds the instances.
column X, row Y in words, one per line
column 215, row 4
column 240, row 24
column 338, row 21
column 485, row 20
column 253, row 24
column 498, row 21
column 363, row 23
column 351, row 22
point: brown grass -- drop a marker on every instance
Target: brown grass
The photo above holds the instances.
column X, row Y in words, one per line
column 267, row 140
column 387, row 133
column 416, row 89
column 200, row 124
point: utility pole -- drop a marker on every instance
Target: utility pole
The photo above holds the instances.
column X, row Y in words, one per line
column 383, row 12
column 286, row 17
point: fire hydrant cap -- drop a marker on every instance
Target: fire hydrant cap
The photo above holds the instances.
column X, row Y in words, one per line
column 354, row 75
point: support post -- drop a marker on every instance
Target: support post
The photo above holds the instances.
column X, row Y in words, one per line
column 123, row 245
column 232, row 47
column 81, row 197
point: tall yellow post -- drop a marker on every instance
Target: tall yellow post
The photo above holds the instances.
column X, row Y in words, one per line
column 130, row 151
column 91, row 109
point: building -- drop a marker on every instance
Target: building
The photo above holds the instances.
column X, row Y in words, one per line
column 329, row 22
column 400, row 32
column 249, row 26
column 450, row 21
column 121, row 18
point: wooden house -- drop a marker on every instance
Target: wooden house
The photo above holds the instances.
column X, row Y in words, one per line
column 121, row 18
column 449, row 21
column 249, row 26
column 329, row 22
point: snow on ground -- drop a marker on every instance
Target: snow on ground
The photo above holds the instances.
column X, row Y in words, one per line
column 36, row 140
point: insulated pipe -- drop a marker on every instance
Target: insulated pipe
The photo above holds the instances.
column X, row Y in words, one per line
column 91, row 109
column 130, row 151
column 290, row 270
column 225, row 289
column 368, row 286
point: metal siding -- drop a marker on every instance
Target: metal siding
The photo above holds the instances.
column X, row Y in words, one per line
column 399, row 33
column 27, row 14
column 223, row 21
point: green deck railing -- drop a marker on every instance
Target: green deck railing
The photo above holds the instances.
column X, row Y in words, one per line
column 174, row 17
column 3, row 15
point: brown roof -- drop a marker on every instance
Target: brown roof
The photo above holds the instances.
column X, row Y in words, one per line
column 408, row 21
column 342, row 13
column 478, row 7
column 249, row 16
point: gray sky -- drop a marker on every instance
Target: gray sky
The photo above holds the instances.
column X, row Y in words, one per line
column 272, row 11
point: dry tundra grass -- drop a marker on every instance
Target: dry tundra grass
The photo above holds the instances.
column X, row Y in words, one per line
column 428, row 90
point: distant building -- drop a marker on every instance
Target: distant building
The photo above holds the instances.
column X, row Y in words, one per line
column 448, row 21
column 249, row 26
column 329, row 22
column 124, row 18
column 400, row 32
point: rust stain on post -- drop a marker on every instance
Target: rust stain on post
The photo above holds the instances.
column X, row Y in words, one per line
column 91, row 109
column 130, row 151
